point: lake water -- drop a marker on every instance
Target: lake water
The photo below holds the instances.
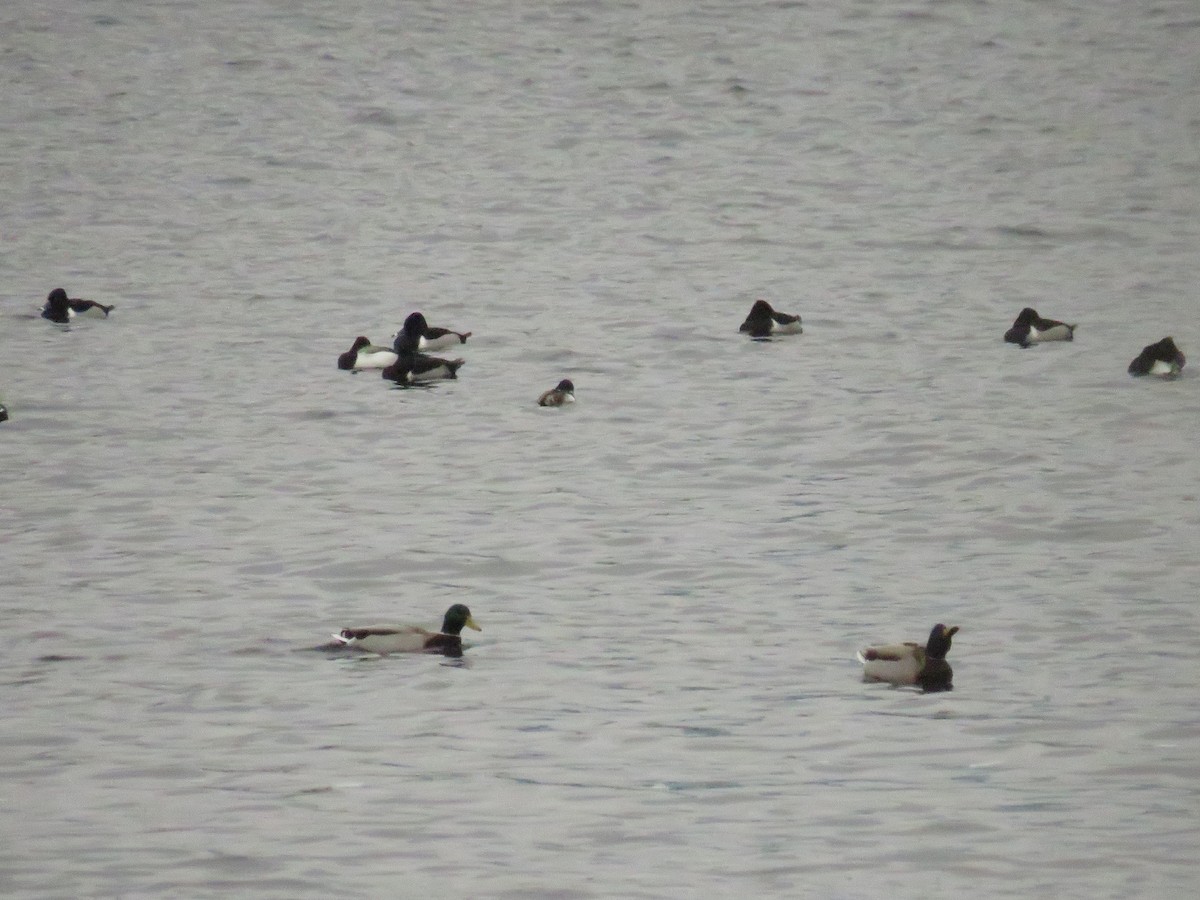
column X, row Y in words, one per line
column 674, row 574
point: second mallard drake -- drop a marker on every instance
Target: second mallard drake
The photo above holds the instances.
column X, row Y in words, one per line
column 910, row 663
column 385, row 639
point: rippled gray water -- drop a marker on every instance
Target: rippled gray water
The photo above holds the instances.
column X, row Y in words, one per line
column 674, row 574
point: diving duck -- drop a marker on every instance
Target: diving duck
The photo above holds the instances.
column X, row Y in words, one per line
column 62, row 309
column 763, row 321
column 365, row 355
column 1030, row 328
column 558, row 396
column 1162, row 358
column 385, row 639
column 910, row 663
column 418, row 334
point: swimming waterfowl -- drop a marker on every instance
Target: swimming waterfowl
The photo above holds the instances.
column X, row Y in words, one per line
column 1030, row 328
column 558, row 396
column 910, row 663
column 413, row 368
column 365, row 355
column 61, row 309
column 417, row 334
column 1162, row 358
column 763, row 321
column 385, row 639
column 3, row 413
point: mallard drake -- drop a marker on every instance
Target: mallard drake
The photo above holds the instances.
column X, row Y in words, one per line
column 1030, row 328
column 558, row 396
column 910, row 663
column 417, row 334
column 385, row 639
column 365, row 355
column 763, row 321
column 62, row 309
column 1162, row 358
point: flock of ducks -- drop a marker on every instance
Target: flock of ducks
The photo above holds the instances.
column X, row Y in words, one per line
column 409, row 361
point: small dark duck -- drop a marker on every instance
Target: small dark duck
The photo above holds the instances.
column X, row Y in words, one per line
column 910, row 663
column 1030, row 328
column 764, row 321
column 385, row 639
column 558, row 396
column 1163, row 359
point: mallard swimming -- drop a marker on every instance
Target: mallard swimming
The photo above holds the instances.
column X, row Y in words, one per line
column 365, row 355
column 1030, row 328
column 1162, row 358
column 385, row 639
column 910, row 663
column 558, row 396
column 62, row 309
column 763, row 321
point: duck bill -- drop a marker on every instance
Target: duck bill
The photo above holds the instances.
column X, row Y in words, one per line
column 470, row 623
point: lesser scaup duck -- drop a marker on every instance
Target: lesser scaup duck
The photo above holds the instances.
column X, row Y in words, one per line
column 1162, row 358
column 417, row 334
column 61, row 309
column 385, row 639
column 558, row 396
column 1030, row 328
column 763, row 321
column 910, row 663
column 365, row 355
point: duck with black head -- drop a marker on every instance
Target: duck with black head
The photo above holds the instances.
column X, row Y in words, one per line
column 411, row 365
column 61, row 309
column 1030, row 328
column 1162, row 358
column 365, row 355
column 764, row 321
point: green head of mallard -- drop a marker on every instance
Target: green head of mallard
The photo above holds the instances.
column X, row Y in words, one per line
column 456, row 618
column 939, row 641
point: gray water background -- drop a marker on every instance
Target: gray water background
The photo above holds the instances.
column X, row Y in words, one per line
column 673, row 575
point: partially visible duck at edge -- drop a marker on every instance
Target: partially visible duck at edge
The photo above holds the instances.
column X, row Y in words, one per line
column 365, row 355
column 561, row 395
column 385, row 639
column 910, row 663
column 1161, row 358
column 417, row 334
column 763, row 321
column 3, row 413
column 1030, row 328
column 62, row 309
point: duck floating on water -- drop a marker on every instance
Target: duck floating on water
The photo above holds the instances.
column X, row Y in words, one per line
column 763, row 321
column 1161, row 358
column 561, row 395
column 386, row 639
column 910, row 663
column 62, row 309
column 365, row 355
column 1030, row 328
column 417, row 334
